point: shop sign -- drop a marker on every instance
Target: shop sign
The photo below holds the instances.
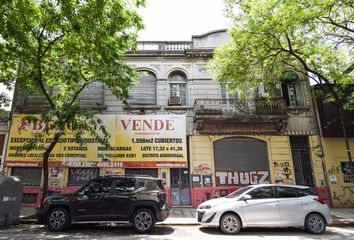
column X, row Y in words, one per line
column 136, row 140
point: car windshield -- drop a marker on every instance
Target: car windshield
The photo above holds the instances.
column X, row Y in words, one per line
column 238, row 192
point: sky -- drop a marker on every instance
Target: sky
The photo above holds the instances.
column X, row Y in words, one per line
column 178, row 20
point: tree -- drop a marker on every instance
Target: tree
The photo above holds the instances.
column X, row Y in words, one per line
column 67, row 45
column 271, row 37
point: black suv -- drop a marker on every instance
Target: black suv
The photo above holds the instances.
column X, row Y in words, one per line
column 138, row 200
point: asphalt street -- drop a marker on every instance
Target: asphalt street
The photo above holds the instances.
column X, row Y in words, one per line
column 34, row 232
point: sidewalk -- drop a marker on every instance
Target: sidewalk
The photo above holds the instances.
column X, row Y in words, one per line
column 186, row 216
column 342, row 216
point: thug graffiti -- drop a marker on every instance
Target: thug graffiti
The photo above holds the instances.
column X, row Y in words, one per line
column 240, row 178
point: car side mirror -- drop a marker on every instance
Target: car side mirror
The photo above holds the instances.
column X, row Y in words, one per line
column 84, row 191
column 246, row 197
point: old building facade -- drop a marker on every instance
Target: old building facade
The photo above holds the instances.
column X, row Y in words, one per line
column 209, row 141
column 334, row 152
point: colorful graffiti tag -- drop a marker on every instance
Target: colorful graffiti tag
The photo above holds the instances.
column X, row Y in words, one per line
column 241, row 178
column 282, row 172
column 201, row 169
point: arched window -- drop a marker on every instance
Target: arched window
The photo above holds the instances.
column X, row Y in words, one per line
column 145, row 92
column 178, row 88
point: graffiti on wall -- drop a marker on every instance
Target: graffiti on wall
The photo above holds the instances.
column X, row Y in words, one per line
column 56, row 173
column 111, row 171
column 333, row 170
column 83, row 174
column 241, row 178
column 201, row 169
column 345, row 197
column 346, row 172
column 282, row 172
column 56, row 177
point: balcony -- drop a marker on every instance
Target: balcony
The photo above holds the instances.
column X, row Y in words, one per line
column 174, row 101
column 164, row 46
column 234, row 116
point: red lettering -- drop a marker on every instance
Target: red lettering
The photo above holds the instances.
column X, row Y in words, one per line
column 37, row 125
column 146, row 123
column 22, row 125
column 136, row 125
column 48, row 124
column 152, row 124
column 169, row 125
column 125, row 125
column 157, row 127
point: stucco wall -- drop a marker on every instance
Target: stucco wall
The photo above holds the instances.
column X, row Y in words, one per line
column 279, row 156
column 334, row 153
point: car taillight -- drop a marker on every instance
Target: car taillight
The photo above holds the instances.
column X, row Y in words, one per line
column 161, row 196
column 320, row 200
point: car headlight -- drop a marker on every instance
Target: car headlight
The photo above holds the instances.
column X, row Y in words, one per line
column 205, row 207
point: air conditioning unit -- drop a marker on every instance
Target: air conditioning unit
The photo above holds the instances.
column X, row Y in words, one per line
column 174, row 101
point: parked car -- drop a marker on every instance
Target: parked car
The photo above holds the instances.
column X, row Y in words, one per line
column 138, row 200
column 270, row 205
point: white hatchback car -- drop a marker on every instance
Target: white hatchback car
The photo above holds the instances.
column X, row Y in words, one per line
column 270, row 205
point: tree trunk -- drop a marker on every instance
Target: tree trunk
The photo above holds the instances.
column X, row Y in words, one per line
column 45, row 177
column 46, row 169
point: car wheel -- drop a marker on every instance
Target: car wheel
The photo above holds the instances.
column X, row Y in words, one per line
column 315, row 223
column 143, row 220
column 58, row 219
column 230, row 223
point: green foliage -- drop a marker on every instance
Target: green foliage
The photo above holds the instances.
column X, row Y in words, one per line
column 66, row 45
column 270, row 37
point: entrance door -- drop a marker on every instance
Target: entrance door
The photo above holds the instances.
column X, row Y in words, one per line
column 180, row 187
column 301, row 158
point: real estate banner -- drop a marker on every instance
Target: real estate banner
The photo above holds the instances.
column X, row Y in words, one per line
column 140, row 141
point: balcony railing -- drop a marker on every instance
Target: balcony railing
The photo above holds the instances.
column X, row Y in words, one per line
column 237, row 107
column 164, row 46
column 174, row 101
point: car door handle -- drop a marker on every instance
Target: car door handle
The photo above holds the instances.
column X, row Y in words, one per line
column 274, row 204
column 301, row 203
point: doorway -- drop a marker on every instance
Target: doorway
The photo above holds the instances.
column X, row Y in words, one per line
column 180, row 187
column 300, row 151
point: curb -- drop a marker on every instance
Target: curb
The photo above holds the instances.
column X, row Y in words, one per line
column 31, row 215
column 28, row 221
column 31, row 219
column 177, row 224
column 342, row 223
column 335, row 224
